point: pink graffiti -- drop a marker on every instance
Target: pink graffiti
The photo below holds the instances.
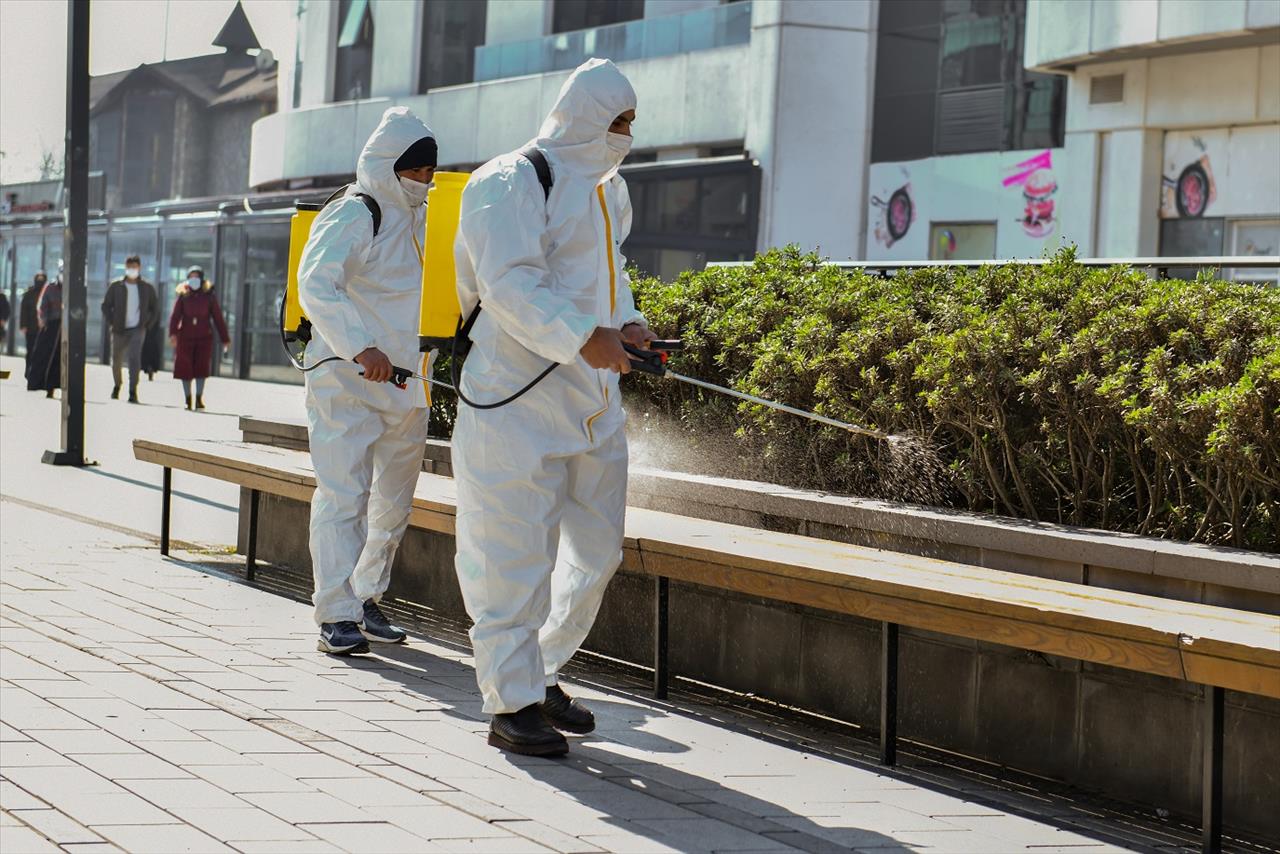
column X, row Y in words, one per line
column 1027, row 168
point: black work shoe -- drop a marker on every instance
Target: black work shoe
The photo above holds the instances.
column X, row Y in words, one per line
column 342, row 638
column 199, row 401
column 565, row 713
column 115, row 392
column 376, row 627
column 526, row 732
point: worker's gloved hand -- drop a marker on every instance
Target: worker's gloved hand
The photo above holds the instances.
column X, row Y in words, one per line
column 638, row 335
column 604, row 350
column 377, row 367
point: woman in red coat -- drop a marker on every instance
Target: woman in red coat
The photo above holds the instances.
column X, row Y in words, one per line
column 195, row 315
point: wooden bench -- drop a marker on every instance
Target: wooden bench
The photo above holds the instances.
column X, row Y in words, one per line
column 1220, row 648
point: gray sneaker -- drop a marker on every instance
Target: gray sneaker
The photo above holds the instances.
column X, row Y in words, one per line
column 377, row 628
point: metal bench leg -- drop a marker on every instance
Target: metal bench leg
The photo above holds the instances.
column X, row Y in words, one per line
column 166, row 497
column 251, row 562
column 661, row 673
column 1211, row 792
column 888, row 693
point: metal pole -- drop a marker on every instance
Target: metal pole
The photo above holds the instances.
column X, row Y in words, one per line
column 75, row 239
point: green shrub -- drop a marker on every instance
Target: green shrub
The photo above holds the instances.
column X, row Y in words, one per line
column 1096, row 397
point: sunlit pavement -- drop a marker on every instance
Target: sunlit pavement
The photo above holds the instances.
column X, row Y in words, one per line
column 153, row 704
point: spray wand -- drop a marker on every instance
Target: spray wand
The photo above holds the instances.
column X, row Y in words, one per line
column 654, row 361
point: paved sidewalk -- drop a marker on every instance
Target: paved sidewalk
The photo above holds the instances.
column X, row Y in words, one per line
column 164, row 705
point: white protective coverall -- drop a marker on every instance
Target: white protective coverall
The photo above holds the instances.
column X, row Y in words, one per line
column 367, row 439
column 542, row 481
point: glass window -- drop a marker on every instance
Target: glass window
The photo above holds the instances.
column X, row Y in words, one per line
column 1191, row 237
column 949, row 78
column 266, row 266
column 354, row 55
column 95, row 290
column 580, row 14
column 962, row 241
column 677, row 205
column 451, row 31
column 725, row 204
column 230, row 287
column 1255, row 237
column 28, row 259
column 104, row 146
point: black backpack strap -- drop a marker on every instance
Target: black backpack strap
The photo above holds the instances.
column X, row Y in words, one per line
column 540, row 165
column 370, row 202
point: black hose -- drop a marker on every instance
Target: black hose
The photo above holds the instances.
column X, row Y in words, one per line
column 284, row 342
column 455, row 374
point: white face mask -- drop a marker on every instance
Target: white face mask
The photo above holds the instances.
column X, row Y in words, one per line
column 414, row 191
column 193, row 282
column 131, row 272
column 619, row 144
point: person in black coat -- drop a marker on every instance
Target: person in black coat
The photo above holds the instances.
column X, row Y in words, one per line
column 44, row 373
column 28, row 322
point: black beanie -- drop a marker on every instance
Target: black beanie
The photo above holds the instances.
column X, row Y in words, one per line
column 421, row 153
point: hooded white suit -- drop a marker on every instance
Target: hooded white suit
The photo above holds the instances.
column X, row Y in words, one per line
column 542, row 481
column 367, row 439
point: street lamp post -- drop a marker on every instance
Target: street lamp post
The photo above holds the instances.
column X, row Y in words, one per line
column 75, row 239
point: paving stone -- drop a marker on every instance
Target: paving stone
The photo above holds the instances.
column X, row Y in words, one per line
column 205, row 719
column 131, row 766
column 239, row 779
column 376, row 836
column 302, row 807
column 305, row 765
column 169, row 794
column 186, row 753
column 95, row 809
column 370, row 791
column 255, row 740
column 309, row 846
column 161, row 839
column 241, row 824
column 631, row 843
column 56, row 826
column 13, row 797
column 549, row 837
column 23, row 839
column 437, row 822
column 711, row 835
column 19, row 754
column 70, row 741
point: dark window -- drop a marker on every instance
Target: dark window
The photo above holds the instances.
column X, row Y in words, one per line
column 104, row 146
column 950, row 79
column 1189, row 237
column 451, row 31
column 353, row 71
column 583, row 14
column 685, row 216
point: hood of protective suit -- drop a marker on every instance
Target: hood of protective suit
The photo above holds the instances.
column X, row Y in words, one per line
column 375, row 169
column 576, row 128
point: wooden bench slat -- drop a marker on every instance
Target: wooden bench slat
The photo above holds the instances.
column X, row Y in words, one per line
column 1182, row 640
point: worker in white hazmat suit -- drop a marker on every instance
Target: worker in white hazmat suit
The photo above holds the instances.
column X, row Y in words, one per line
column 542, row 481
column 362, row 294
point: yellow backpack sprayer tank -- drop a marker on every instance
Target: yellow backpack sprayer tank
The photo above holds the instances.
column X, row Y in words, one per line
column 440, row 310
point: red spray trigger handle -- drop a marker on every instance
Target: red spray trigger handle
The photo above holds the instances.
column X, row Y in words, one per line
column 653, row 360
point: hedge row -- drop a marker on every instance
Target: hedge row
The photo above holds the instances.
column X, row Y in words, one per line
column 1096, row 397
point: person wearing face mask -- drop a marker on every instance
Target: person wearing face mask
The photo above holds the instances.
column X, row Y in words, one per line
column 130, row 309
column 362, row 293
column 542, row 482
column 195, row 315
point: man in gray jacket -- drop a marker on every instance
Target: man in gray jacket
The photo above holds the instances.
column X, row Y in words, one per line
column 130, row 309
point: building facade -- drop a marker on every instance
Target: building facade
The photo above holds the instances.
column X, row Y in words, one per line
column 869, row 129
column 169, row 154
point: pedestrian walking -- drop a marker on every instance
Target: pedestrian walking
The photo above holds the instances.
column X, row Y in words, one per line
column 542, row 482
column 28, row 322
column 45, row 370
column 130, row 308
column 360, row 284
column 5, row 312
column 191, row 326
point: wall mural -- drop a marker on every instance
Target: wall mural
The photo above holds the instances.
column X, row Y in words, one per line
column 895, row 213
column 1035, row 176
column 1187, row 186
